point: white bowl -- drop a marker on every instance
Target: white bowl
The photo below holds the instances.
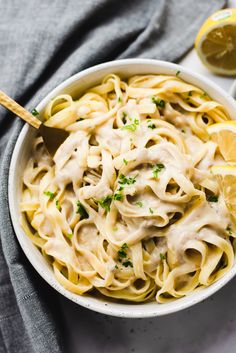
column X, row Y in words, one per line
column 74, row 86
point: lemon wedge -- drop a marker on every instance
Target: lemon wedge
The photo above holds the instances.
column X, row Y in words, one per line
column 226, row 176
column 224, row 134
column 216, row 42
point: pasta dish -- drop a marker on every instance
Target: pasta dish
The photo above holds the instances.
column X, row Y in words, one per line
column 129, row 206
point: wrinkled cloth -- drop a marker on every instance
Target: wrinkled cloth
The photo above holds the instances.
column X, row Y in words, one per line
column 41, row 44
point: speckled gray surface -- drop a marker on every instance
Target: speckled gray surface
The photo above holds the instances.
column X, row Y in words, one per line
column 208, row 327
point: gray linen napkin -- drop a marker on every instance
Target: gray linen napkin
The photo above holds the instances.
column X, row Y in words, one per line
column 41, row 44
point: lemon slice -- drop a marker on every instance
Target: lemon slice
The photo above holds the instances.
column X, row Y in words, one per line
column 224, row 134
column 216, row 42
column 226, row 176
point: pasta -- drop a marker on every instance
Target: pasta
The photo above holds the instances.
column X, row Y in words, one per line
column 128, row 207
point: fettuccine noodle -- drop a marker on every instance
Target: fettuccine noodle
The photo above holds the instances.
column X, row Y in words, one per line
column 128, row 206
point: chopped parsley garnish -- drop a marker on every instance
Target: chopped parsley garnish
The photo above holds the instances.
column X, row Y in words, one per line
column 79, row 119
column 124, row 115
column 34, row 112
column 119, row 99
column 183, row 131
column 69, row 235
column 162, row 256
column 212, row 198
column 118, row 197
column 177, row 73
column 50, row 194
column 150, row 210
column 127, row 263
column 81, row 210
column 125, row 161
column 124, row 180
column 159, row 102
column 157, row 168
column 229, row 230
column 139, row 203
column 105, row 202
column 116, row 267
column 58, row 205
column 190, row 94
column 122, row 253
column 131, row 127
column 152, row 126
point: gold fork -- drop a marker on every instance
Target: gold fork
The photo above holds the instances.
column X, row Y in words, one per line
column 52, row 137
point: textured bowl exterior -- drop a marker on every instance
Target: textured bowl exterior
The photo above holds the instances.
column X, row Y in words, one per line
column 75, row 85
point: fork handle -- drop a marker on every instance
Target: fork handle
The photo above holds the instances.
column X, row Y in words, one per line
column 17, row 109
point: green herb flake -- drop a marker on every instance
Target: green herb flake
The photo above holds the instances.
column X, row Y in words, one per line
column 130, row 127
column 34, row 112
column 124, row 115
column 58, row 205
column 177, row 73
column 139, row 203
column 183, row 131
column 122, row 253
column 156, row 169
column 152, row 126
column 125, row 161
column 50, row 194
column 118, row 197
column 69, row 235
column 116, row 267
column 120, row 99
column 150, row 210
column 127, row 263
column 105, row 202
column 212, row 198
column 124, row 180
column 159, row 102
column 162, row 256
column 81, row 210
column 229, row 230
column 190, row 94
